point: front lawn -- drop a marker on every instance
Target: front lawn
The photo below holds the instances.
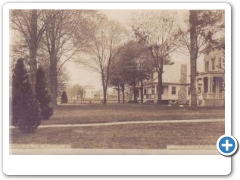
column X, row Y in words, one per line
column 130, row 136
column 98, row 113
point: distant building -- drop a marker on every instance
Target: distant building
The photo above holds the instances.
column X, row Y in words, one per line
column 89, row 92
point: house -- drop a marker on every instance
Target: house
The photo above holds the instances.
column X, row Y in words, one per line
column 176, row 80
column 210, row 82
column 176, row 85
column 89, row 92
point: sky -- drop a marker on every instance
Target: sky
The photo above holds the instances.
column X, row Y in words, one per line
column 80, row 75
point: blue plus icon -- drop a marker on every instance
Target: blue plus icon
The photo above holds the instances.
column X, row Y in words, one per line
column 227, row 145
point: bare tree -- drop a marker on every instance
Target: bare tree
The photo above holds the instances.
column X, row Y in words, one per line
column 60, row 41
column 31, row 25
column 105, row 44
column 157, row 31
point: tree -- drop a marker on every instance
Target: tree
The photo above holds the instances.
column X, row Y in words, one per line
column 60, row 40
column 25, row 107
column 116, row 78
column 54, row 31
column 130, row 67
column 64, row 98
column 202, row 26
column 193, row 56
column 130, row 71
column 105, row 44
column 144, row 71
column 157, row 31
column 76, row 92
column 42, row 94
column 63, row 78
column 30, row 24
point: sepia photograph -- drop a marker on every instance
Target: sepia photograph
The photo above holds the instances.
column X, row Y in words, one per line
column 116, row 81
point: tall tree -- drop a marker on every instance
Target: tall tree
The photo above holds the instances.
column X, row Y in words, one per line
column 116, row 78
column 31, row 25
column 157, row 31
column 203, row 26
column 193, row 55
column 60, row 40
column 131, row 66
column 25, row 107
column 105, row 44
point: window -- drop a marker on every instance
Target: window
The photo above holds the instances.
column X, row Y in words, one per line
column 145, row 91
column 206, row 66
column 213, row 63
column 220, row 62
column 173, row 90
column 153, row 91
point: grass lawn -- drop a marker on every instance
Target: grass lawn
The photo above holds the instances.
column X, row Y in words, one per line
column 131, row 136
column 98, row 113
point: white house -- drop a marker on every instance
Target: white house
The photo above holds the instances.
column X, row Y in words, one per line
column 89, row 92
column 176, row 85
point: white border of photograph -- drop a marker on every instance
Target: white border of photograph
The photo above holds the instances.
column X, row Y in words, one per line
column 114, row 164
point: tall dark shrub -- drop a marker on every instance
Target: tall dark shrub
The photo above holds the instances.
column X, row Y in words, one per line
column 25, row 107
column 42, row 94
column 64, row 98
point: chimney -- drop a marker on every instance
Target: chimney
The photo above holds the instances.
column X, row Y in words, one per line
column 183, row 73
column 182, row 94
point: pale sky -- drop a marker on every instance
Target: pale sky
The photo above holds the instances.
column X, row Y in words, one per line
column 80, row 75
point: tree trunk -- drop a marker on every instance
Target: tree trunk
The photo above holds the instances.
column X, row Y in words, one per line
column 104, row 95
column 33, row 65
column 104, row 88
column 53, row 81
column 134, row 93
column 118, row 89
column 193, row 55
column 123, row 92
column 159, row 100
column 141, row 91
column 33, row 46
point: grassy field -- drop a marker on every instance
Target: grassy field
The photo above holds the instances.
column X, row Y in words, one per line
column 131, row 136
column 98, row 113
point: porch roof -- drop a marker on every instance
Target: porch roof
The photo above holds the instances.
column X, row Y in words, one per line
column 211, row 73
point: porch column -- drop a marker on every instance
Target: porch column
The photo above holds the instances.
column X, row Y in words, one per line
column 156, row 92
column 208, row 84
column 211, row 84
